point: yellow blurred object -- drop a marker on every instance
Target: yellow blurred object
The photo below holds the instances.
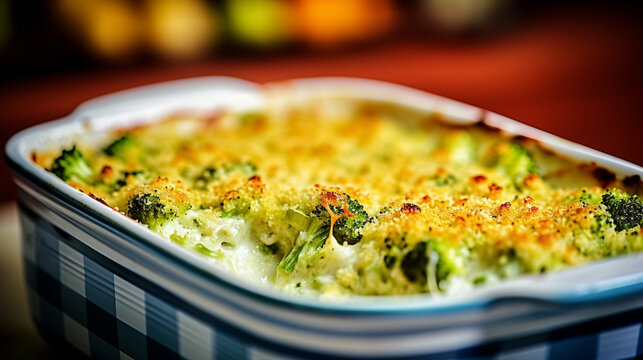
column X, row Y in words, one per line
column 262, row 23
column 111, row 29
column 330, row 23
column 180, row 29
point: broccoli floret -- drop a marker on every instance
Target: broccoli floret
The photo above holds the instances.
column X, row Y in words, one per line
column 584, row 196
column 389, row 261
column 211, row 173
column 589, row 198
column 149, row 209
column 110, row 181
column 415, row 263
column 72, row 164
column 246, row 168
column 346, row 229
column 120, row 147
column 383, row 214
column 625, row 211
column 446, row 266
column 444, row 179
column 349, row 229
column 208, row 175
column 515, row 161
column 461, row 146
column 385, row 210
column 237, row 206
column 122, row 181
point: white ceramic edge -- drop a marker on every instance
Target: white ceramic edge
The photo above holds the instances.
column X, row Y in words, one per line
column 610, row 273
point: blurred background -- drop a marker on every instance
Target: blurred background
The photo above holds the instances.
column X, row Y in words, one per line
column 573, row 68
column 570, row 67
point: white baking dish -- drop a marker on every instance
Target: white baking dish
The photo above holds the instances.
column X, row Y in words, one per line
column 113, row 288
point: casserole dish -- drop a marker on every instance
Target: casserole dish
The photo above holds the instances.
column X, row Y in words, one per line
column 112, row 288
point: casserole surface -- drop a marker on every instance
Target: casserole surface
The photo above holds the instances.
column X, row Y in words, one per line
column 343, row 196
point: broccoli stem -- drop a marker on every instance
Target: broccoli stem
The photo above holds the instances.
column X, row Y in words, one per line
column 311, row 240
column 297, row 219
column 217, row 254
column 318, row 231
column 288, row 263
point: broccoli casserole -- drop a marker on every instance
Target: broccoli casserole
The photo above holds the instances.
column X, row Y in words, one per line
column 372, row 201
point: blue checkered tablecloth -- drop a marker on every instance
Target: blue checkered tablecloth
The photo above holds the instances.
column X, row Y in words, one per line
column 106, row 311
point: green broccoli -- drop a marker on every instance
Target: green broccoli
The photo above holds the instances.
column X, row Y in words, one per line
column 120, row 147
column 239, row 210
column 590, row 198
column 211, row 173
column 297, row 219
column 307, row 241
column 385, row 210
column 625, row 211
column 515, row 161
column 415, row 263
column 383, row 214
column 246, row 168
column 208, row 175
column 346, row 229
column 444, row 179
column 149, row 209
column 461, row 146
column 72, row 164
column 586, row 197
column 237, row 206
column 122, row 181
column 217, row 254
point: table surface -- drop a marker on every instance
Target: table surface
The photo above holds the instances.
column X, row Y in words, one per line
column 18, row 336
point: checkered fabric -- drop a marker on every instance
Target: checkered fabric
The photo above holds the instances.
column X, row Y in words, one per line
column 105, row 316
column 107, row 312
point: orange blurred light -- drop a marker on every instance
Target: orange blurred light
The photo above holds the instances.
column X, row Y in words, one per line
column 330, row 23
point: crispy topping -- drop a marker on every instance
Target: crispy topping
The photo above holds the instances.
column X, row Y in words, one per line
column 479, row 179
column 409, row 208
column 408, row 204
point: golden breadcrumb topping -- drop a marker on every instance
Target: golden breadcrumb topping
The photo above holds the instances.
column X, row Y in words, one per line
column 371, row 202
